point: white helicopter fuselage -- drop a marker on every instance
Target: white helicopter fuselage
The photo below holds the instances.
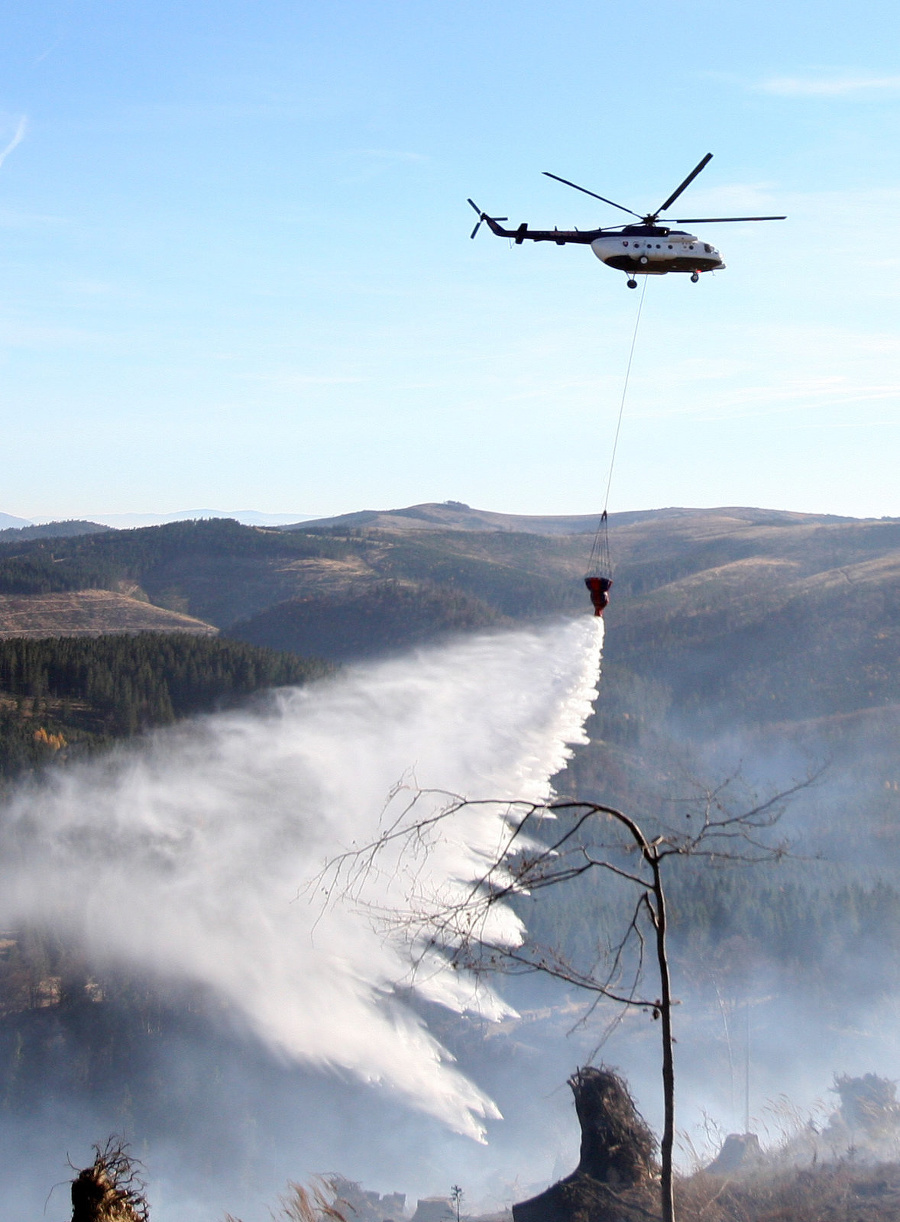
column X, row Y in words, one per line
column 653, row 250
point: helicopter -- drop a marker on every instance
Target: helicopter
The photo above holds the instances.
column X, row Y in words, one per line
column 649, row 248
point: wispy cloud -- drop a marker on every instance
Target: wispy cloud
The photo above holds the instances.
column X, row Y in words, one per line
column 846, row 85
column 16, row 140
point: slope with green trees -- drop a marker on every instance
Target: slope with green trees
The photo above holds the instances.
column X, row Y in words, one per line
column 63, row 696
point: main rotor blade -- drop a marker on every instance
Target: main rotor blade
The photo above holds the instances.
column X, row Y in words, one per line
column 720, row 220
column 687, row 182
column 592, row 193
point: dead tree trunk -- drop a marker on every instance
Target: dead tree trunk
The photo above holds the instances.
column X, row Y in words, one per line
column 658, row 916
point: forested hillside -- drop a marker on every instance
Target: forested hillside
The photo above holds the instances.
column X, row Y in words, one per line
column 387, row 616
column 744, row 618
column 775, row 631
column 222, row 572
column 64, row 696
column 757, row 615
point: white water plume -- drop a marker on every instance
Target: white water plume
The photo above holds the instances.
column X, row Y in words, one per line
column 185, row 855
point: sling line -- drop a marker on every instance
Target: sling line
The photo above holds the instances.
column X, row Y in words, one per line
column 600, row 560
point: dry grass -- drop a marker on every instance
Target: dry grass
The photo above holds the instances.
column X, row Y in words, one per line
column 317, row 1203
column 837, row 1192
column 89, row 613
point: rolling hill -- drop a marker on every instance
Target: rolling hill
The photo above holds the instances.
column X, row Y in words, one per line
column 749, row 615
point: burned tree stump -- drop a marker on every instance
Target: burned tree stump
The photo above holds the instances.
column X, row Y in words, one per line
column 617, row 1147
column 616, row 1167
column 740, row 1151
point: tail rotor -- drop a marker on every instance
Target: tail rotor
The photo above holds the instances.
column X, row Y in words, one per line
column 483, row 216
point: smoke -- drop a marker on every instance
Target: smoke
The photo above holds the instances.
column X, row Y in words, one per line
column 185, row 857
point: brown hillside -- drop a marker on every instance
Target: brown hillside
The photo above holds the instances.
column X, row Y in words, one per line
column 89, row 613
column 453, row 515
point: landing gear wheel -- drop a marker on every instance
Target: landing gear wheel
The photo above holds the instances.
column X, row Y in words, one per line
column 695, row 276
column 632, row 284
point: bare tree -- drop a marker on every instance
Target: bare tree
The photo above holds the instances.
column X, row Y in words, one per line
column 556, row 843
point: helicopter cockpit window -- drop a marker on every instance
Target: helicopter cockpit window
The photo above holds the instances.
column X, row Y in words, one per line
column 707, row 248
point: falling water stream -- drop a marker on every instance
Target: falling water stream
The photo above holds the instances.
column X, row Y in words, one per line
column 186, row 855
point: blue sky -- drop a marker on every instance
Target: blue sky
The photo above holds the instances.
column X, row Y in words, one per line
column 235, row 268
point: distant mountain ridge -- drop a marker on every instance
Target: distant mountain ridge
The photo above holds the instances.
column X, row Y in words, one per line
column 247, row 517
column 455, row 515
column 52, row 530
column 126, row 521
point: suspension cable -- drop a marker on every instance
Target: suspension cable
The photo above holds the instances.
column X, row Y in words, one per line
column 600, row 555
column 612, row 461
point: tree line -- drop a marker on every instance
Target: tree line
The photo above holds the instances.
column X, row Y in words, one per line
column 75, row 693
